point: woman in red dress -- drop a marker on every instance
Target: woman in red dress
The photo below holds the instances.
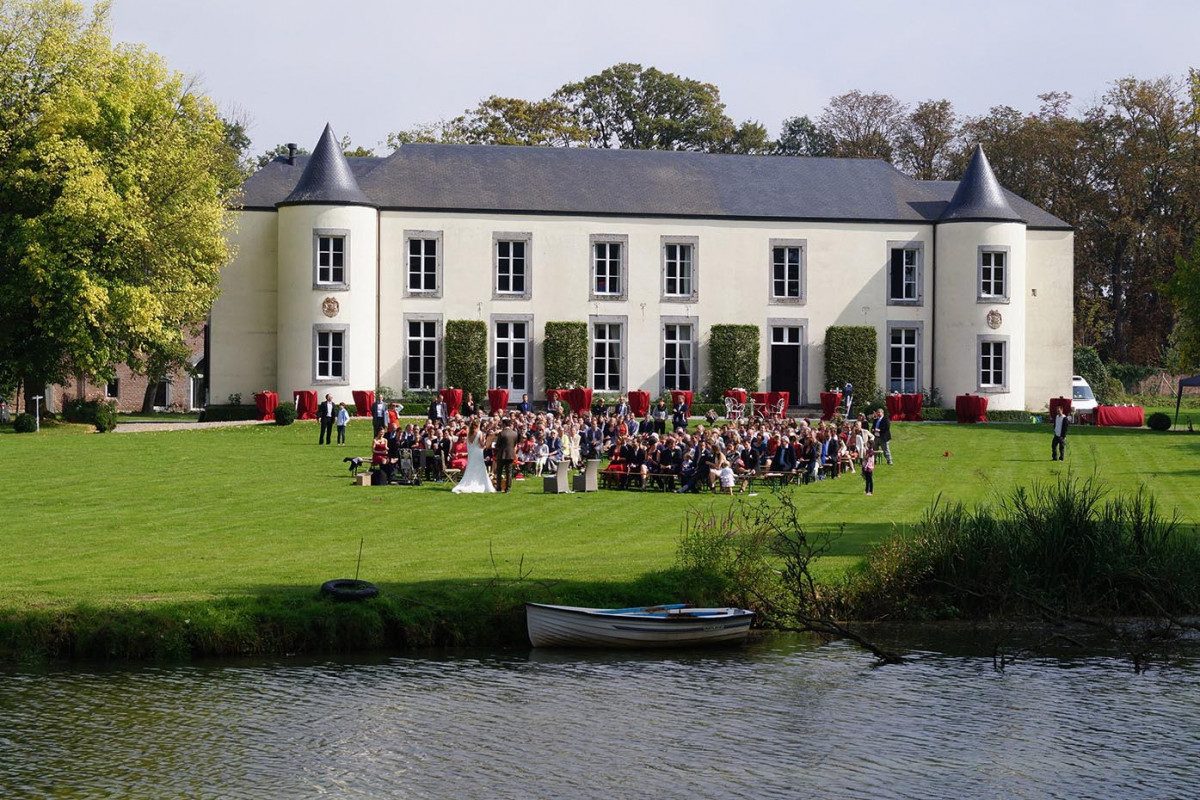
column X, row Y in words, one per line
column 458, row 452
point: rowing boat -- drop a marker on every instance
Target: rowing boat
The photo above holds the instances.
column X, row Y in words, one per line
column 674, row 625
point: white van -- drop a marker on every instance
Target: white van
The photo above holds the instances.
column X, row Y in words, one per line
column 1083, row 401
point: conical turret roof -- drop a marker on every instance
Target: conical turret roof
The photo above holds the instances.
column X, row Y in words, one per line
column 979, row 197
column 327, row 178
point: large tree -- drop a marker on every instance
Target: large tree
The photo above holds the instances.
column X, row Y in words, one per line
column 863, row 125
column 114, row 178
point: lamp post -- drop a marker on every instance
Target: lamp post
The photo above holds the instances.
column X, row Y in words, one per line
column 37, row 412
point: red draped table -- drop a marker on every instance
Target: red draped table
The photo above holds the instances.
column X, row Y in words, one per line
column 267, row 402
column 681, row 396
column 497, row 400
column 829, row 404
column 306, row 403
column 1120, row 416
column 579, row 399
column 453, row 400
column 774, row 397
column 910, row 406
column 639, row 403
column 363, row 400
column 737, row 394
column 895, row 407
column 1059, row 402
column 971, row 408
column 762, row 402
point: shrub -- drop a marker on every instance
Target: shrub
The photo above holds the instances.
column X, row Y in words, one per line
column 1113, row 391
column 1159, row 422
column 1089, row 367
column 227, row 413
column 101, row 414
column 851, row 353
column 386, row 393
column 565, row 354
column 25, row 423
column 732, row 359
column 285, row 413
column 467, row 356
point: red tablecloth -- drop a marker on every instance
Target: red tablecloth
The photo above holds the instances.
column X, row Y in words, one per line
column 737, row 394
column 579, row 399
column 497, row 400
column 895, row 407
column 1120, row 416
column 306, row 403
column 639, row 403
column 681, row 396
column 910, row 406
column 1059, row 402
column 267, row 402
column 453, row 400
column 761, row 402
column 971, row 408
column 775, row 397
column 363, row 399
column 829, row 404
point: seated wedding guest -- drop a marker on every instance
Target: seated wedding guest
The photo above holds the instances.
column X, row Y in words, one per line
column 554, row 443
column 543, row 453
column 527, row 453
column 458, row 452
column 554, row 406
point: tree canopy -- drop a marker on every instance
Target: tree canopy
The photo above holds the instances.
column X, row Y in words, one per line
column 115, row 174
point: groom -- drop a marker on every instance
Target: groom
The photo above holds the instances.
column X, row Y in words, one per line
column 506, row 454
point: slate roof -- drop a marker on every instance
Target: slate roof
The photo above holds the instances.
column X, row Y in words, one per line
column 641, row 183
column 327, row 178
column 979, row 196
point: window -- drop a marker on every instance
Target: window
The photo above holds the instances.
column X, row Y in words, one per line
column 677, row 356
column 993, row 364
column 423, row 264
column 511, row 347
column 513, row 255
column 161, row 394
column 329, row 354
column 904, row 273
column 606, row 356
column 331, row 258
column 422, row 354
column 787, row 271
column 993, row 274
column 903, row 353
column 678, row 279
column 112, row 388
column 679, row 268
column 608, row 267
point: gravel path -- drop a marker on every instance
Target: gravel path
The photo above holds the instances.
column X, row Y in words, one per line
column 143, row 427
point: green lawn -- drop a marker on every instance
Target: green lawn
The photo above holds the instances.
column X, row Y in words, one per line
column 193, row 515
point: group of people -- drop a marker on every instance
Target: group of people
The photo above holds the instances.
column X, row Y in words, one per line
column 658, row 447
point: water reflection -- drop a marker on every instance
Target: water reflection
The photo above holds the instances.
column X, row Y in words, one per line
column 779, row 719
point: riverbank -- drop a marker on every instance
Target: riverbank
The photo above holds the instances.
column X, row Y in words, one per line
column 214, row 542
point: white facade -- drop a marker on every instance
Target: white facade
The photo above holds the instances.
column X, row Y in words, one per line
column 971, row 306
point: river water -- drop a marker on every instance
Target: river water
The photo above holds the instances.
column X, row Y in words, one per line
column 784, row 718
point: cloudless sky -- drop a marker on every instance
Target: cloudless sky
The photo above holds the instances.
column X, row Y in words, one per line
column 375, row 66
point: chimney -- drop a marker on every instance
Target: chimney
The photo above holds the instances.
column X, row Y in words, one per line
column 291, row 146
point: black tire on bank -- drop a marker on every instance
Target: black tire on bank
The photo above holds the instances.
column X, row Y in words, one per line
column 348, row 589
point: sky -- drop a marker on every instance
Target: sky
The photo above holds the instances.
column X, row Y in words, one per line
column 370, row 67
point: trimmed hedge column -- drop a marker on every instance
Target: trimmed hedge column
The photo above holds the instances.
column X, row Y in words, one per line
column 851, row 353
column 467, row 356
column 565, row 354
column 732, row 359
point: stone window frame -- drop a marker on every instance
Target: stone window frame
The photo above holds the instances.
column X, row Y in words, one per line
column 994, row 298
column 529, row 342
column 609, row 319
column 608, row 238
column 331, row 327
column 439, row 257
column 992, row 338
column 439, row 356
column 526, row 237
column 774, row 300
column 331, row 286
column 919, row 326
column 694, row 243
column 790, row 322
column 912, row 244
column 663, row 322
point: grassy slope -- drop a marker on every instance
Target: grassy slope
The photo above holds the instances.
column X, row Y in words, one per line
column 254, row 511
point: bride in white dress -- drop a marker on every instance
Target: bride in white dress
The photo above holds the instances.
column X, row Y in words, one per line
column 475, row 478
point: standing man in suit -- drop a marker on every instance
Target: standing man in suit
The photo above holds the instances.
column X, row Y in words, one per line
column 379, row 415
column 883, row 433
column 506, row 453
column 437, row 411
column 1058, row 445
column 325, row 415
column 525, row 406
